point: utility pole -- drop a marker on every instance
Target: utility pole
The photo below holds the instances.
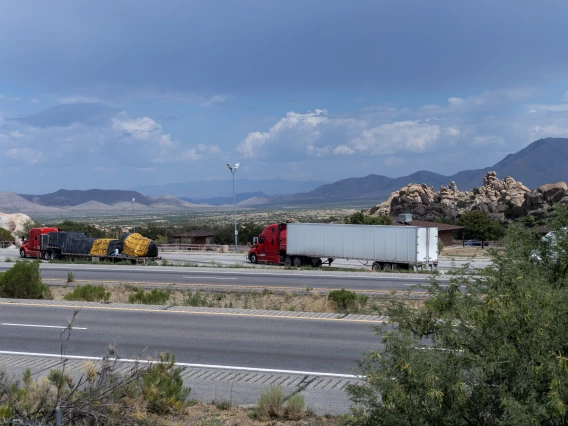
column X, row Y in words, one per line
column 233, row 170
column 133, row 225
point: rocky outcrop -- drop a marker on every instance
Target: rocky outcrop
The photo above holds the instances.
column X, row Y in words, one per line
column 495, row 197
column 538, row 202
column 14, row 223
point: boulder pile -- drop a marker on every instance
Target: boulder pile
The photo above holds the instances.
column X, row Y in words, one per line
column 14, row 223
column 495, row 197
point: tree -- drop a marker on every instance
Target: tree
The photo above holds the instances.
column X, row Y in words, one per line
column 5, row 235
column 487, row 350
column 478, row 225
column 361, row 219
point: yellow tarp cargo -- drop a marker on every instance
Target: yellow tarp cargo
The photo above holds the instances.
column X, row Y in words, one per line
column 136, row 245
column 100, row 247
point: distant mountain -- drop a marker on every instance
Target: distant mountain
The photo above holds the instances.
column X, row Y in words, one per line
column 543, row 161
column 67, row 198
column 219, row 201
column 224, row 188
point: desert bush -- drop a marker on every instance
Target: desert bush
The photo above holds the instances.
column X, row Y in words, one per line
column 89, row 293
column 295, row 407
column 154, row 297
column 163, row 386
column 23, row 281
column 271, row 403
column 343, row 300
column 70, row 277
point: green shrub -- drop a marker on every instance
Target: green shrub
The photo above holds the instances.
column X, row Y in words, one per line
column 295, row 407
column 196, row 299
column 154, row 297
column 5, row 235
column 70, row 277
column 163, row 386
column 271, row 403
column 89, row 293
column 23, row 281
column 344, row 300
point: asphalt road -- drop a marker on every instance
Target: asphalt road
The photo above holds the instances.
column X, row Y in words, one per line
column 231, row 277
column 308, row 345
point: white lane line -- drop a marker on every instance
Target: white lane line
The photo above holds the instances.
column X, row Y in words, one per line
column 42, row 326
column 211, row 278
column 184, row 364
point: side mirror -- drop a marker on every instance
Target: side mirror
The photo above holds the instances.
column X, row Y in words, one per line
column 254, row 241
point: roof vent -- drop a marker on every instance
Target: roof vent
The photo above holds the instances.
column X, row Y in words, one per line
column 404, row 218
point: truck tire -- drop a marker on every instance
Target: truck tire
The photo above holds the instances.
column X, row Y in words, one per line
column 253, row 258
column 387, row 267
column 53, row 255
column 377, row 266
column 46, row 255
column 317, row 263
column 287, row 261
column 22, row 253
column 297, row 261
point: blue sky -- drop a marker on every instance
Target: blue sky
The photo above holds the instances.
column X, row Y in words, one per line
column 115, row 94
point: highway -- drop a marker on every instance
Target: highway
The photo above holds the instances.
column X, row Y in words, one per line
column 264, row 278
column 297, row 344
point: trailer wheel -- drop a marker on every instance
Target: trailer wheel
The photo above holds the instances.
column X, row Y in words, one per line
column 53, row 255
column 253, row 258
column 317, row 263
column 377, row 266
column 287, row 261
column 46, row 255
column 22, row 253
column 387, row 267
column 297, row 261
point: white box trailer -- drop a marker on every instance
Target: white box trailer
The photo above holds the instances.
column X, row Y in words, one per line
column 387, row 246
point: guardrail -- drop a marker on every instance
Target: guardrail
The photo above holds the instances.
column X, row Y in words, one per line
column 199, row 247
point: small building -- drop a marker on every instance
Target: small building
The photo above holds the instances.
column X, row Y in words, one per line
column 194, row 237
column 445, row 230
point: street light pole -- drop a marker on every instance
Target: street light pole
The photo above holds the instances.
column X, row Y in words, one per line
column 233, row 169
column 133, row 225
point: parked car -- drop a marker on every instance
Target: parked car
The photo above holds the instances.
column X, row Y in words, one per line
column 472, row 243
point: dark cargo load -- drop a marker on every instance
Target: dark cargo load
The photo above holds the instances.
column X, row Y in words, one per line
column 113, row 246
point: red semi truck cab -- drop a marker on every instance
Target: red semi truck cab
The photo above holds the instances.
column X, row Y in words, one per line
column 32, row 246
column 270, row 246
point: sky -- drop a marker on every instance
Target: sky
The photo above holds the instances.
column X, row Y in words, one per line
column 116, row 94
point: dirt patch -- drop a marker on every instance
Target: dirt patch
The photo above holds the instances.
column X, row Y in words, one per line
column 465, row 252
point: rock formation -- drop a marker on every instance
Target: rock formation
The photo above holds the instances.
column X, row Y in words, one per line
column 495, row 197
column 15, row 224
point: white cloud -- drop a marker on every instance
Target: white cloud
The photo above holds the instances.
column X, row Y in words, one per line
column 216, row 99
column 24, row 155
column 400, row 136
column 304, row 124
column 343, row 150
column 553, row 130
column 316, row 151
column 452, row 131
column 490, row 98
column 487, row 140
column 550, row 108
column 79, row 99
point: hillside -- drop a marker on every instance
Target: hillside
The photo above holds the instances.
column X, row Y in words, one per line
column 543, row 161
column 67, row 198
column 219, row 201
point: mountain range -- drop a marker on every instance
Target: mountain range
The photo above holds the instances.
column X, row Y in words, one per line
column 543, row 161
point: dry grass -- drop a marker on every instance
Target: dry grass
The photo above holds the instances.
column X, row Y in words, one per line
column 464, row 252
column 202, row 414
column 310, row 301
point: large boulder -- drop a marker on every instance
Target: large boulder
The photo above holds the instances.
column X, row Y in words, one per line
column 15, row 224
column 553, row 192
